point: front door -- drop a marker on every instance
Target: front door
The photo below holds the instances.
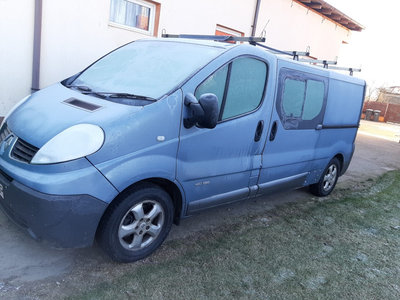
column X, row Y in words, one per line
column 217, row 165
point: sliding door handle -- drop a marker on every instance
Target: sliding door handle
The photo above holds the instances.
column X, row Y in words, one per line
column 274, row 130
column 259, row 131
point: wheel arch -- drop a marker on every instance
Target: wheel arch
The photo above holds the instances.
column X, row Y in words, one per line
column 170, row 187
column 340, row 158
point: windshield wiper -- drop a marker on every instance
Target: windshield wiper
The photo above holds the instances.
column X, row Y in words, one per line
column 130, row 96
column 88, row 91
column 123, row 95
column 83, row 88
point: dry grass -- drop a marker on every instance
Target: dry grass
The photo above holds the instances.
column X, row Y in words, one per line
column 343, row 246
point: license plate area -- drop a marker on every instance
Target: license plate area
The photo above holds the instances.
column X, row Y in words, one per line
column 5, row 182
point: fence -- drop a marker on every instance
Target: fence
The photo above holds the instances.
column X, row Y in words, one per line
column 389, row 112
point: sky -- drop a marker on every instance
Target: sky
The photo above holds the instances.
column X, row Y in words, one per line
column 377, row 48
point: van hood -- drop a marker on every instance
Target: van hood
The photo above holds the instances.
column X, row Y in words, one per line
column 54, row 109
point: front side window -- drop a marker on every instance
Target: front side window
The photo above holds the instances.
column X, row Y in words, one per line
column 135, row 14
column 214, row 84
column 239, row 86
column 301, row 101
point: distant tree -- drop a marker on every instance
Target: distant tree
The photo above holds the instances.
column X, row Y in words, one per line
column 372, row 91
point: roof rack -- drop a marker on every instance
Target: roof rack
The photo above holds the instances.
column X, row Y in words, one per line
column 295, row 54
column 325, row 63
column 218, row 38
column 256, row 42
column 351, row 70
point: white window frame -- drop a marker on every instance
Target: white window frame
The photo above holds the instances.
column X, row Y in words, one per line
column 153, row 11
column 228, row 31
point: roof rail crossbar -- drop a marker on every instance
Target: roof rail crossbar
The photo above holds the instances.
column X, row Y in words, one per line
column 219, row 38
column 295, row 54
column 325, row 63
column 351, row 70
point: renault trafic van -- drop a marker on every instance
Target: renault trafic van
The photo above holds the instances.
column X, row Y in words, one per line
column 160, row 129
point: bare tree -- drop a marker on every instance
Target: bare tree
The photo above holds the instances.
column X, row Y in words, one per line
column 372, row 92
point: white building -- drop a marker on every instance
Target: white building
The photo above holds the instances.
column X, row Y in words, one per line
column 45, row 41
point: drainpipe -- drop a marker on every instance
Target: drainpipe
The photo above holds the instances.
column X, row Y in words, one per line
column 253, row 30
column 37, row 39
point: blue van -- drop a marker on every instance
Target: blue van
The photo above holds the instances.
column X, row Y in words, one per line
column 160, row 129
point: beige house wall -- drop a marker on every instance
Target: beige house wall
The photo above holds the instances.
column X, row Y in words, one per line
column 16, row 48
column 76, row 32
column 70, row 44
column 201, row 17
column 292, row 26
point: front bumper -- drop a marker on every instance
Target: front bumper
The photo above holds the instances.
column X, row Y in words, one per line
column 67, row 221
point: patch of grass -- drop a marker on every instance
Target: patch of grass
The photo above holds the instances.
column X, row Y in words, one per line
column 343, row 246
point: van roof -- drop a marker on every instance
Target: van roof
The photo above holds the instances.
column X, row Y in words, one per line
column 296, row 64
column 191, row 41
column 329, row 73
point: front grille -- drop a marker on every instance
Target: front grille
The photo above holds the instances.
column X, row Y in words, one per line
column 23, row 151
column 4, row 132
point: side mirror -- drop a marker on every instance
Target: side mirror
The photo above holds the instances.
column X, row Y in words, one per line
column 204, row 112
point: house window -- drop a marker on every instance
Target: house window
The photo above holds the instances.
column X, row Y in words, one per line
column 223, row 30
column 134, row 14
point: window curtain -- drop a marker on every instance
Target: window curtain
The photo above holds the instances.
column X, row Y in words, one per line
column 118, row 11
column 130, row 14
column 132, row 10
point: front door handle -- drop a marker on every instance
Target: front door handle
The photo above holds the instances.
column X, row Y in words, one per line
column 274, row 129
column 259, row 130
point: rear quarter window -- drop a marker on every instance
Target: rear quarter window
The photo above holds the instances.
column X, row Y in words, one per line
column 301, row 99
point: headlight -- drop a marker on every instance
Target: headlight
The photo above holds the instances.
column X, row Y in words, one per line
column 14, row 108
column 74, row 142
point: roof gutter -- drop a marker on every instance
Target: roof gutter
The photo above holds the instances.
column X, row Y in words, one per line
column 37, row 40
column 254, row 26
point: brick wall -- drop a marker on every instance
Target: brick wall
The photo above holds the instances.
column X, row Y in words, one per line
column 389, row 111
column 393, row 113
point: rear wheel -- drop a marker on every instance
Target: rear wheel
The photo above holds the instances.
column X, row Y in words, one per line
column 136, row 224
column 328, row 179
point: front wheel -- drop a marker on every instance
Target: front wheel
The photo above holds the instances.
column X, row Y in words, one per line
column 328, row 179
column 136, row 224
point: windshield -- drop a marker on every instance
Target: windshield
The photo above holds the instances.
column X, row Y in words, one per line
column 148, row 68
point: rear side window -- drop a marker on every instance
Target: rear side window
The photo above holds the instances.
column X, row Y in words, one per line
column 301, row 99
column 239, row 86
column 314, row 99
column 293, row 95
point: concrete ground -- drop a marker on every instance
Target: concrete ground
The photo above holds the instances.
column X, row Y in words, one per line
column 25, row 262
column 390, row 132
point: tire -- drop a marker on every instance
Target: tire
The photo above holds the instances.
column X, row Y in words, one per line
column 328, row 180
column 136, row 224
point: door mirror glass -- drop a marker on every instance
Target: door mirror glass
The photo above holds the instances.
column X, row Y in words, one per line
column 203, row 112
